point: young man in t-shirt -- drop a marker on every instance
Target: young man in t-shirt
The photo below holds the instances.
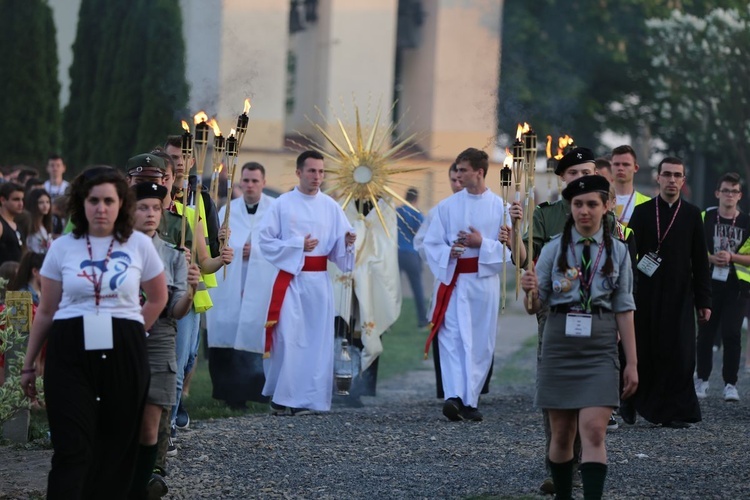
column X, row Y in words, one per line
column 56, row 186
column 726, row 230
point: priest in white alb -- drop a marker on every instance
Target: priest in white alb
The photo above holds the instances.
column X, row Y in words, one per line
column 375, row 303
column 302, row 231
column 236, row 323
column 464, row 254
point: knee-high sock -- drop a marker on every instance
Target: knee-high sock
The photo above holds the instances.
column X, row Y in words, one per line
column 593, row 475
column 562, row 476
column 144, row 466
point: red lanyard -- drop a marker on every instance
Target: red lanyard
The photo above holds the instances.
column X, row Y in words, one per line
column 625, row 208
column 734, row 220
column 98, row 283
column 659, row 237
column 586, row 286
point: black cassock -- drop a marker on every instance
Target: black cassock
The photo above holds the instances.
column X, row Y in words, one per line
column 666, row 305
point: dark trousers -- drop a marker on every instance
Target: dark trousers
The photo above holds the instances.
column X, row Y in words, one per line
column 727, row 312
column 411, row 264
column 95, row 403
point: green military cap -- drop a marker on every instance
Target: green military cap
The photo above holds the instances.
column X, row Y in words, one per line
column 146, row 165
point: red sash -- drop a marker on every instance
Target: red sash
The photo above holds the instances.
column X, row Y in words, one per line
column 312, row 264
column 468, row 265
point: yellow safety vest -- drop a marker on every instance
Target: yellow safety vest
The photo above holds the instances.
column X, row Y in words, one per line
column 201, row 300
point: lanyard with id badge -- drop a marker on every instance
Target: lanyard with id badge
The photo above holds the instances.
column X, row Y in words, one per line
column 650, row 262
column 97, row 327
column 578, row 322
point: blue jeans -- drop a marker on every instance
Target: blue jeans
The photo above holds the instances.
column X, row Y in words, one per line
column 186, row 347
column 411, row 264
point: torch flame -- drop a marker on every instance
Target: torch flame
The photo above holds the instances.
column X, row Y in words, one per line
column 231, row 133
column 185, row 126
column 549, row 146
column 247, row 106
column 508, row 158
column 201, row 116
column 562, row 143
column 522, row 129
column 215, row 125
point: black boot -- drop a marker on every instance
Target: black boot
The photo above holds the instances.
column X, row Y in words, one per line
column 593, row 475
column 562, row 476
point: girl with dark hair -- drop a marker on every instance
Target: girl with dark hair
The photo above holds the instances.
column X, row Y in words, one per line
column 96, row 370
column 585, row 277
column 39, row 235
column 27, row 278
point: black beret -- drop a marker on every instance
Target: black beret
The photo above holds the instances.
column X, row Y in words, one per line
column 586, row 184
column 146, row 190
column 575, row 157
column 146, row 165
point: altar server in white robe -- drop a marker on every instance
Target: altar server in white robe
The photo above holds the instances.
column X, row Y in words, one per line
column 236, row 323
column 462, row 251
column 302, row 231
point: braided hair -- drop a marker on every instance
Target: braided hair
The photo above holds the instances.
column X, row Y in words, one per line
column 562, row 260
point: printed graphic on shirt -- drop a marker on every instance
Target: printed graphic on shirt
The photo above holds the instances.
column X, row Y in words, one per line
column 114, row 270
column 728, row 237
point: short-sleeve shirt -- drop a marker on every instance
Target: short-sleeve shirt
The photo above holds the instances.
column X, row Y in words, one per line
column 130, row 263
column 614, row 292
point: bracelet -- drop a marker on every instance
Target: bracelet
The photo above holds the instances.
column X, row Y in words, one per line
column 25, row 371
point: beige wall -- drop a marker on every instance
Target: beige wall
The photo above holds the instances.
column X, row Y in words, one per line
column 348, row 55
column 450, row 81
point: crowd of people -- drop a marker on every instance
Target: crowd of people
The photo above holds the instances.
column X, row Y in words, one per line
column 121, row 264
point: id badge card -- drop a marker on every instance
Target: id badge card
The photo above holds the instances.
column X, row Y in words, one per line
column 720, row 273
column 97, row 332
column 578, row 325
column 649, row 264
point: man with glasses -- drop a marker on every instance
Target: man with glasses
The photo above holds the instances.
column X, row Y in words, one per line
column 11, row 206
column 673, row 282
column 726, row 231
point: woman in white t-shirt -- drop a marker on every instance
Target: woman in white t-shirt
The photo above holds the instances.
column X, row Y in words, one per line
column 91, row 314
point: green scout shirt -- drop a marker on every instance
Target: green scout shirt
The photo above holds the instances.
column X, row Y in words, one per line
column 549, row 221
column 170, row 229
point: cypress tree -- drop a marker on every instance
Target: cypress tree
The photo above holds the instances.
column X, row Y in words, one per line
column 128, row 93
column 29, row 88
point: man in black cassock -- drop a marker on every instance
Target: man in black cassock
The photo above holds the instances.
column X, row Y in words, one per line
column 673, row 283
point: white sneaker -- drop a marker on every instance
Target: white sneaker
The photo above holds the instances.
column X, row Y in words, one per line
column 701, row 388
column 730, row 393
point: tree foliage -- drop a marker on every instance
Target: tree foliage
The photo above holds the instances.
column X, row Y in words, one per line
column 582, row 66
column 29, row 88
column 700, row 82
column 127, row 79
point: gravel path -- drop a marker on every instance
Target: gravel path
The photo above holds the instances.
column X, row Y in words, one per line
column 399, row 446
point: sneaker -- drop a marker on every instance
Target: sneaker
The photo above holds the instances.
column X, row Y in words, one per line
column 730, row 393
column 612, row 425
column 157, row 487
column 452, row 409
column 300, row 411
column 471, row 414
column 171, row 448
column 701, row 388
column 182, row 420
column 278, row 410
column 547, row 487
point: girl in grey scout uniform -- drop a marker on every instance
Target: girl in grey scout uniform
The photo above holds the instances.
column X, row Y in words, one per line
column 182, row 282
column 585, row 278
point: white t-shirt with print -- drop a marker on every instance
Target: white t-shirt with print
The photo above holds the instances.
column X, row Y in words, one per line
column 131, row 263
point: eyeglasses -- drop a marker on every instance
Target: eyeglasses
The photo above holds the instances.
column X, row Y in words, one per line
column 733, row 192
column 676, row 175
